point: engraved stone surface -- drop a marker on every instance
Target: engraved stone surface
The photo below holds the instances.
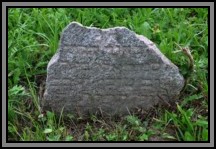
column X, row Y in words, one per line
column 108, row 70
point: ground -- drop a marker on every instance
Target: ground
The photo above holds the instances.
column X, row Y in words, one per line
column 33, row 38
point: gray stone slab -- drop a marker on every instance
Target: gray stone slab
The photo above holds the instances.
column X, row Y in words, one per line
column 108, row 70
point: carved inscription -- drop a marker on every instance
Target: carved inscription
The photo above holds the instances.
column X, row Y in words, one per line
column 114, row 70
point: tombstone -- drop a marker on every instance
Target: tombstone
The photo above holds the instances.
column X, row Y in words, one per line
column 111, row 71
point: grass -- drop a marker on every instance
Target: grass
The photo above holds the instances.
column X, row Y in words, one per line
column 33, row 37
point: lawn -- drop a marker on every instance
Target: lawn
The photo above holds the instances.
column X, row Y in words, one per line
column 33, row 38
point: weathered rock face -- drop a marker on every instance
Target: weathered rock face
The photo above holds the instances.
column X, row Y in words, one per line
column 108, row 70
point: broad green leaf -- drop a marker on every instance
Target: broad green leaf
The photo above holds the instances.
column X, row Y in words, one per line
column 48, row 130
column 188, row 137
column 205, row 134
column 202, row 123
column 68, row 138
column 54, row 138
column 168, row 136
column 144, row 137
column 146, row 29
